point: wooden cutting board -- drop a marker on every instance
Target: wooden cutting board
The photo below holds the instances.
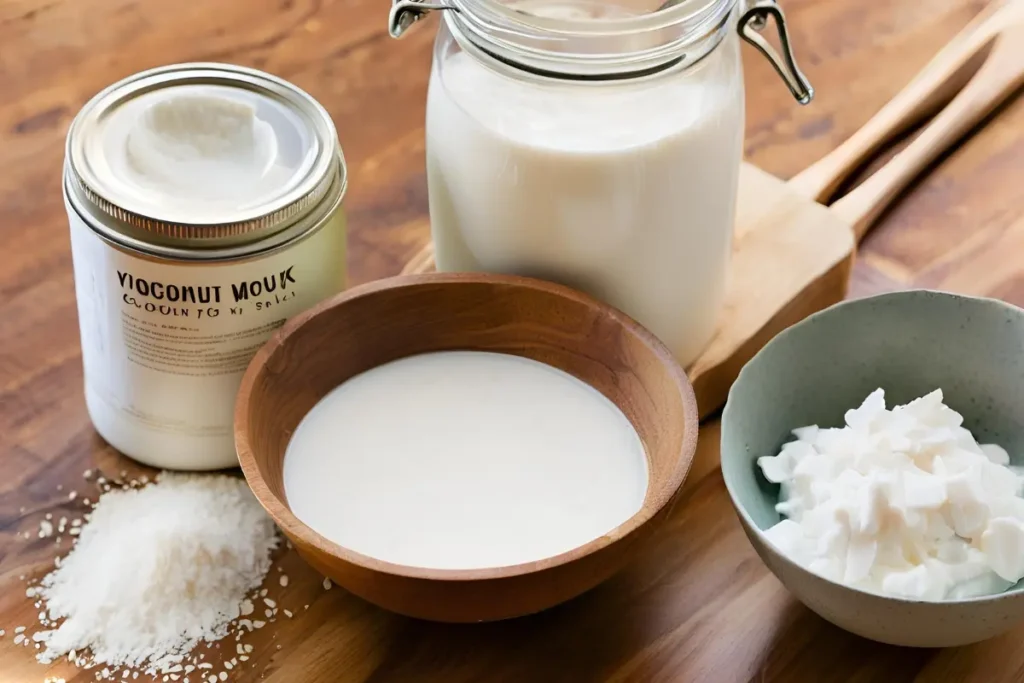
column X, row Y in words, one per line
column 792, row 255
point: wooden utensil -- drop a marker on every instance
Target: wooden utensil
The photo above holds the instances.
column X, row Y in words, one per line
column 792, row 256
column 389, row 319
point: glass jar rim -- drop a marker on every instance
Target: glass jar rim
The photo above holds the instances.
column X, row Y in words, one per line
column 701, row 32
column 605, row 49
column 682, row 12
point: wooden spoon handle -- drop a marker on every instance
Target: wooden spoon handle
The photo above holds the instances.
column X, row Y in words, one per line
column 1000, row 76
column 931, row 88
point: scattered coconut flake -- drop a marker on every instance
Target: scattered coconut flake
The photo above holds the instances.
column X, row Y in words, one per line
column 288, row 613
column 284, row 580
column 156, row 570
column 327, row 584
column 18, row 638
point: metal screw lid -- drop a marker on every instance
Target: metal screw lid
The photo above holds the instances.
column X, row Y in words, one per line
column 96, row 175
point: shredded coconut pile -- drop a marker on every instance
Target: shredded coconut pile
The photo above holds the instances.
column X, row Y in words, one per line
column 157, row 570
column 902, row 502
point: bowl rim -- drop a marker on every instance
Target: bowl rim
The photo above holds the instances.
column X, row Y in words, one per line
column 780, row 338
column 654, row 500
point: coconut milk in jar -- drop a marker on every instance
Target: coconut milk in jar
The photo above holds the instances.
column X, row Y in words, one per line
column 596, row 143
column 205, row 209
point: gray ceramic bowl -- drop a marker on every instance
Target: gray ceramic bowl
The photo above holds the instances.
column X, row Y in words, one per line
column 908, row 343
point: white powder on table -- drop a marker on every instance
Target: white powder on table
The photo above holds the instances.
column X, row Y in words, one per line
column 901, row 502
column 156, row 571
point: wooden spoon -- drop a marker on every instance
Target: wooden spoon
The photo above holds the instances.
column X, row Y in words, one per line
column 1001, row 76
column 930, row 90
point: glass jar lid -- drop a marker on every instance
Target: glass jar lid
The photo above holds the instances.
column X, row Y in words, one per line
column 619, row 39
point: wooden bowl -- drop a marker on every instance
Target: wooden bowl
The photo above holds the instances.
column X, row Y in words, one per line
column 389, row 319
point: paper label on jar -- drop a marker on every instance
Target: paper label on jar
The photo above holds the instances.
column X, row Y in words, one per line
column 201, row 330
column 166, row 343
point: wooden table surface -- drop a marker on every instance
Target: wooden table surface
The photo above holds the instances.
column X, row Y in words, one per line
column 697, row 605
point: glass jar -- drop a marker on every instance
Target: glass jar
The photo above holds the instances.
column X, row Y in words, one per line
column 592, row 144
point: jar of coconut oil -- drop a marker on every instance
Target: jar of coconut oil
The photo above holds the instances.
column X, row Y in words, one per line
column 596, row 143
column 205, row 209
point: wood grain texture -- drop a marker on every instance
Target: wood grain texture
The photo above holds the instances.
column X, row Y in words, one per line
column 392, row 318
column 696, row 604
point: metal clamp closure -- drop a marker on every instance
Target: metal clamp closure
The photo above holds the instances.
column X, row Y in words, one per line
column 405, row 13
column 753, row 20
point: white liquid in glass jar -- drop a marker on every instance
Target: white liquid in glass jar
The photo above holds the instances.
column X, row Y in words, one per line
column 624, row 189
column 464, row 460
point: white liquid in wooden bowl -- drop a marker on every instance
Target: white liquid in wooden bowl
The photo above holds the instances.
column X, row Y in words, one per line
column 464, row 460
